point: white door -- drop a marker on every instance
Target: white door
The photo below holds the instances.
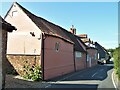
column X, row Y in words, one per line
column 90, row 62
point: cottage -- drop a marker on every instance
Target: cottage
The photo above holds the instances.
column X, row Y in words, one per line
column 92, row 53
column 4, row 28
column 38, row 41
column 103, row 55
column 79, row 50
column 92, row 56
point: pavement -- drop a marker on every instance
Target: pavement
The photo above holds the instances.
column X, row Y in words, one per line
column 115, row 80
column 18, row 82
column 96, row 77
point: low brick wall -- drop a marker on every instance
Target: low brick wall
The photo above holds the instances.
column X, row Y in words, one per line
column 19, row 61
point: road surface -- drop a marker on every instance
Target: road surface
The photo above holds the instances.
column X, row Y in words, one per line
column 96, row 78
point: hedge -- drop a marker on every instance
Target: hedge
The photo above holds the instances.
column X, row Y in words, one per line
column 116, row 56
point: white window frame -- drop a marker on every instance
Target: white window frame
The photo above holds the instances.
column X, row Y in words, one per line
column 98, row 55
column 78, row 54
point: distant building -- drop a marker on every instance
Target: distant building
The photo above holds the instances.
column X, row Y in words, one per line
column 79, row 50
column 102, row 52
column 92, row 53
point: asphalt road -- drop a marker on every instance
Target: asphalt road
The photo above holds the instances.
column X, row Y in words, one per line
column 96, row 78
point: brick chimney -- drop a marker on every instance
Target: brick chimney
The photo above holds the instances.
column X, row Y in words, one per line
column 83, row 35
column 73, row 30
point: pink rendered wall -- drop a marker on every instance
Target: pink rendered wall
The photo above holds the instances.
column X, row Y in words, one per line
column 80, row 63
column 92, row 53
column 57, row 63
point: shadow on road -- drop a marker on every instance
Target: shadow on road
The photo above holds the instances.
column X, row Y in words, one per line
column 87, row 78
column 98, row 72
column 74, row 86
column 16, row 82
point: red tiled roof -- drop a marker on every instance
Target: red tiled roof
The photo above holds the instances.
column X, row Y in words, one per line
column 77, row 46
column 83, row 35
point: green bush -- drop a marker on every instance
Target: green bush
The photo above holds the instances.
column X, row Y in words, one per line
column 33, row 73
column 116, row 56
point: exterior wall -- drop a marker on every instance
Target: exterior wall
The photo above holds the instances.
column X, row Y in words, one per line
column 21, row 45
column 0, row 59
column 3, row 43
column 22, row 38
column 80, row 63
column 92, row 56
column 19, row 61
column 101, row 52
column 57, row 63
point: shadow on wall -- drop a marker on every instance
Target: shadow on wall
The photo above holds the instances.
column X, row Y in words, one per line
column 9, row 68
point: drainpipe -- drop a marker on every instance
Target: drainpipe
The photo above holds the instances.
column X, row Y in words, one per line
column 42, row 55
column 74, row 60
column 86, row 59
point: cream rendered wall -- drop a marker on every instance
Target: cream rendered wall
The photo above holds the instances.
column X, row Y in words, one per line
column 21, row 41
column 0, row 59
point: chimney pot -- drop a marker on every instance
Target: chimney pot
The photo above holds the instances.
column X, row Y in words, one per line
column 73, row 30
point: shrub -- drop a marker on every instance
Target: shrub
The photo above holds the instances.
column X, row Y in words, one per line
column 33, row 73
column 116, row 56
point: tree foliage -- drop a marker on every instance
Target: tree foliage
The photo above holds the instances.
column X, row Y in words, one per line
column 111, row 50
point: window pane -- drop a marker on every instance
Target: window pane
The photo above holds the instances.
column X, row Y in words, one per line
column 78, row 54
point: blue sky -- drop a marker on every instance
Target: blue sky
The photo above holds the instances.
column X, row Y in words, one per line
column 97, row 19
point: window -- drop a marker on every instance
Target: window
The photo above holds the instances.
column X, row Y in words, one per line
column 98, row 56
column 78, row 54
column 57, row 46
